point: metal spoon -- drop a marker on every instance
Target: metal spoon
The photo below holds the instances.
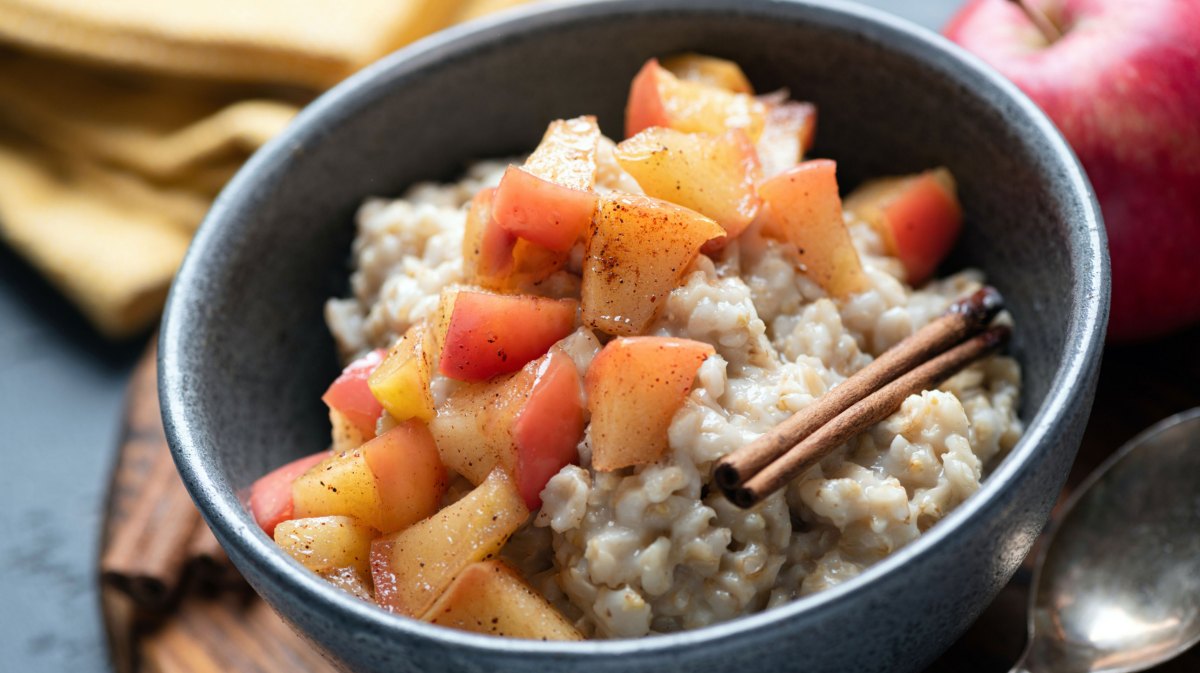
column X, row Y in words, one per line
column 1118, row 585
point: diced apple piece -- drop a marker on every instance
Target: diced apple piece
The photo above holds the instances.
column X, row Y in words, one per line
column 531, row 265
column 388, row 483
column 645, row 107
column 409, row 475
column 802, row 206
column 787, row 135
column 473, row 427
column 353, row 582
column 634, row 387
column 548, row 427
column 493, row 334
column 345, row 435
column 350, row 394
column 495, row 259
column 439, row 321
column 401, row 381
column 271, row 496
column 491, row 598
column 326, row 543
column 413, row 567
column 529, row 424
column 658, row 98
column 918, row 216
column 487, row 248
column 713, row 175
column 709, row 70
column 341, row 485
column 567, row 154
column 541, row 211
column 638, row 250
column 549, row 200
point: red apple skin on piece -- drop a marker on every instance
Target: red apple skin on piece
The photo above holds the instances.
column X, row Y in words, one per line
column 918, row 216
column 645, row 106
column 271, row 495
column 549, row 426
column 658, row 98
column 541, row 211
column 550, row 200
column 925, row 222
column 802, row 206
column 529, row 424
column 498, row 334
column 1123, row 86
column 496, row 259
column 634, row 387
column 493, row 334
column 351, row 395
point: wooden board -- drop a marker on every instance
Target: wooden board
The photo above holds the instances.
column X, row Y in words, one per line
column 234, row 632
column 230, row 631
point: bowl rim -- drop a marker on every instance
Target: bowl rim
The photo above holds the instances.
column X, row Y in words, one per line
column 1085, row 330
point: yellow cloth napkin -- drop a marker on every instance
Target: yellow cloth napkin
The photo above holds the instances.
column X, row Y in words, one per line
column 310, row 42
column 121, row 120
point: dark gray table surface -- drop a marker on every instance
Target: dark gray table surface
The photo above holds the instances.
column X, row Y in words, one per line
column 61, row 392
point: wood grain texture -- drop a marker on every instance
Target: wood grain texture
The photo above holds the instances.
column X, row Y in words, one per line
column 216, row 625
column 146, row 556
column 235, row 632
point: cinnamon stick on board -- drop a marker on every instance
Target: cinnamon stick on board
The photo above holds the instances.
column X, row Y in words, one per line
column 151, row 518
column 147, row 554
column 141, row 444
column 209, row 564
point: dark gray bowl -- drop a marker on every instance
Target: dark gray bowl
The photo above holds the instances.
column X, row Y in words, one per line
column 245, row 354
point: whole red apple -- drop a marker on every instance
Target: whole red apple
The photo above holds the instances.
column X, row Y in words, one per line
column 1123, row 85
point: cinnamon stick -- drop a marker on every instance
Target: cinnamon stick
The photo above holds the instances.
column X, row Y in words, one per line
column 873, row 408
column 210, row 565
column 143, row 446
column 147, row 553
column 963, row 318
column 120, row 625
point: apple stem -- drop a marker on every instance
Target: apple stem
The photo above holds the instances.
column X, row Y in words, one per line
column 1040, row 21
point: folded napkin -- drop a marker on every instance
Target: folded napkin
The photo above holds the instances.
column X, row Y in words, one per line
column 121, row 120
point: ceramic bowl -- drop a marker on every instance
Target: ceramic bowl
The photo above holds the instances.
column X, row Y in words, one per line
column 245, row 353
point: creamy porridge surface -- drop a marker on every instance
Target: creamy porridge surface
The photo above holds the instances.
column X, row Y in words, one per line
column 653, row 549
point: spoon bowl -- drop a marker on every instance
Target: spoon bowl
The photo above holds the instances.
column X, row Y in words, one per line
column 1118, row 586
